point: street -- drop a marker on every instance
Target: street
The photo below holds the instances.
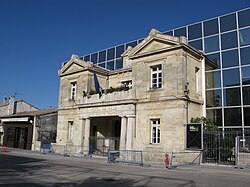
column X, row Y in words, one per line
column 26, row 168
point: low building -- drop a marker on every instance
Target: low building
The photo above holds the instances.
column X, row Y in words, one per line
column 9, row 107
column 32, row 130
column 143, row 106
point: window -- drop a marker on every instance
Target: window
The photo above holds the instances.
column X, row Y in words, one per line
column 156, row 77
column 213, row 79
column 155, row 131
column 245, row 37
column 127, row 84
column 244, row 18
column 216, row 58
column 227, row 23
column 194, row 31
column 211, row 27
column 197, row 44
column 70, row 130
column 230, row 58
column 232, row 97
column 231, row 77
column 197, row 72
column 229, row 40
column 73, row 91
column 245, row 75
column 94, row 58
column 211, row 44
column 180, row 32
column 213, row 98
column 245, row 55
column 232, row 117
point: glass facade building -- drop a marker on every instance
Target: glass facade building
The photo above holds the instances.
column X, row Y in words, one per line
column 224, row 39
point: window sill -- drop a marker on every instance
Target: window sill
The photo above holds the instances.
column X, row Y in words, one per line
column 155, row 89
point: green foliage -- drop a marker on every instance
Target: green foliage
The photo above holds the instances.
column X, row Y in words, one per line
column 209, row 124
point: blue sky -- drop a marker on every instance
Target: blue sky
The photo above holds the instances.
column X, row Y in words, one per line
column 36, row 36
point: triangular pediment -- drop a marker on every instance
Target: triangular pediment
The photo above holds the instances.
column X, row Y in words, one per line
column 154, row 43
column 73, row 66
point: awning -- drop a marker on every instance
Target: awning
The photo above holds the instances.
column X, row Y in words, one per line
column 24, row 119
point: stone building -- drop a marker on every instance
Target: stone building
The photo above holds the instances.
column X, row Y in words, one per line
column 11, row 106
column 143, row 106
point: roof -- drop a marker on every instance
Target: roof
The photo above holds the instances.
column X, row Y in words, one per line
column 32, row 113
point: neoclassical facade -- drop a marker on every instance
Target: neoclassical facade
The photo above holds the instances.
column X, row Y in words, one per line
column 143, row 106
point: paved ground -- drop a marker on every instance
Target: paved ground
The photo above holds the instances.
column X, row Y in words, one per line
column 24, row 168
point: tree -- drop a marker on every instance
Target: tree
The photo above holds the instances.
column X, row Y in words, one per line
column 209, row 124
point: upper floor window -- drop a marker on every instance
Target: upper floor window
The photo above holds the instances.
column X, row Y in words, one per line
column 156, row 76
column 155, row 131
column 73, row 91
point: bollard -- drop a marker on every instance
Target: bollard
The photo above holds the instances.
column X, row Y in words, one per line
column 4, row 149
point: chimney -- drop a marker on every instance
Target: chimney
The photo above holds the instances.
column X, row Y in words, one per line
column 11, row 107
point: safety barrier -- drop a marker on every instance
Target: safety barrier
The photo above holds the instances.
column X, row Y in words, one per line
column 184, row 158
column 125, row 156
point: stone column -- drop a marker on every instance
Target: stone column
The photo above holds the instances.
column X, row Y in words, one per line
column 130, row 124
column 123, row 133
column 86, row 135
column 81, row 133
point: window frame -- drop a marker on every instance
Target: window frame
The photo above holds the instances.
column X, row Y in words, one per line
column 157, row 125
column 157, row 72
column 73, row 90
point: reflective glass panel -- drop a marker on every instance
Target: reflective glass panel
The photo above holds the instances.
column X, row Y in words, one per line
column 131, row 44
column 211, row 44
column 111, row 54
column 215, row 115
column 197, row 44
column 232, row 97
column 169, row 33
column 87, row 58
column 229, row 40
column 102, row 65
column 246, row 95
column 231, row 77
column 102, row 56
column 245, row 55
column 216, row 58
column 211, row 27
column 230, row 58
column 232, row 117
column 227, row 23
column 213, row 98
column 119, row 51
column 110, row 65
column 194, row 31
column 244, row 18
column 245, row 37
column 246, row 116
column 94, row 58
column 245, row 75
column 118, row 64
column 213, row 79
column 180, row 32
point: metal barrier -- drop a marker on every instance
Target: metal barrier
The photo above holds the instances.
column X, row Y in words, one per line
column 184, row 158
column 125, row 156
column 242, row 151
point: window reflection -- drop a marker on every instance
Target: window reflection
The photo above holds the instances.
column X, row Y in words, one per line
column 244, row 18
column 194, row 31
column 94, row 58
column 245, row 55
column 118, row 64
column 215, row 115
column 245, row 75
column 245, row 37
column 246, row 116
column 232, row 97
column 180, row 32
column 213, row 79
column 211, row 44
column 211, row 27
column 111, row 54
column 119, row 51
column 110, row 65
column 213, row 98
column 102, row 56
column 230, row 58
column 196, row 44
column 232, row 117
column 229, row 40
column 246, row 95
column 231, row 77
column 227, row 23
column 216, row 58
